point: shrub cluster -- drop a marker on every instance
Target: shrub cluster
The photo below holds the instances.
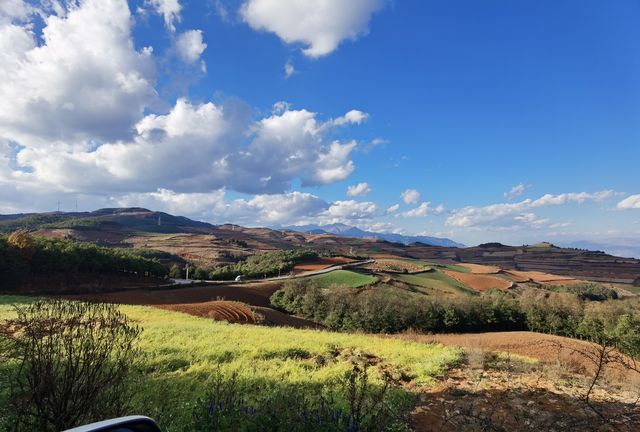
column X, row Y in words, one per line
column 389, row 309
column 264, row 265
column 586, row 291
column 71, row 364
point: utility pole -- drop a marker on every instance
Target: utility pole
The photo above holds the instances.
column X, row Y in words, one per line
column 187, row 269
column 58, row 206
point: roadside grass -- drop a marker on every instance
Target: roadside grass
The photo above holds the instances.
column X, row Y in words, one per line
column 437, row 281
column 184, row 354
column 345, row 278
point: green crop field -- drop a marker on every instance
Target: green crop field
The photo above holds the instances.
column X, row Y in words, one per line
column 343, row 278
column 183, row 353
column 453, row 267
column 437, row 282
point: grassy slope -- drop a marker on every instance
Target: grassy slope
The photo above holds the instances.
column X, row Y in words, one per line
column 183, row 352
column 343, row 278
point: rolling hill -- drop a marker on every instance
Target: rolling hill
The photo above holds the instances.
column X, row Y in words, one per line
column 208, row 245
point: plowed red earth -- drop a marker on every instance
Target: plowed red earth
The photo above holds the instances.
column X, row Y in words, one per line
column 219, row 310
column 479, row 282
column 255, row 294
column 217, row 302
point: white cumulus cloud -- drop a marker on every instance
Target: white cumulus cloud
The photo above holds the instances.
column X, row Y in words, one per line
column 631, row 202
column 80, row 117
column 352, row 117
column 394, row 208
column 359, row 189
column 319, row 25
column 512, row 214
column 85, row 81
column 190, row 45
column 289, row 69
column 169, row 9
column 344, row 211
column 259, row 210
column 424, row 210
column 515, row 191
column 410, row 196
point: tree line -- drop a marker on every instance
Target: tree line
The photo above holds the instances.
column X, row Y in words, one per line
column 389, row 310
column 23, row 255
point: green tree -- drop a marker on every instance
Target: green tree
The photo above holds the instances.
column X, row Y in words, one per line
column 175, row 272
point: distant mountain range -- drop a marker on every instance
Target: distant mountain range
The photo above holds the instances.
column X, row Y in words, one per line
column 351, row 231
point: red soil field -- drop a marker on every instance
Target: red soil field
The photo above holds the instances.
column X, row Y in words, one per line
column 228, row 303
column 255, row 294
column 479, row 282
column 219, row 310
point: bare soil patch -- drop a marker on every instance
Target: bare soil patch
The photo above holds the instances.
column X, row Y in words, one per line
column 481, row 269
column 507, row 399
column 479, row 282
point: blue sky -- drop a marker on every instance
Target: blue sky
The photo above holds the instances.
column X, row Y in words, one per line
column 505, row 121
